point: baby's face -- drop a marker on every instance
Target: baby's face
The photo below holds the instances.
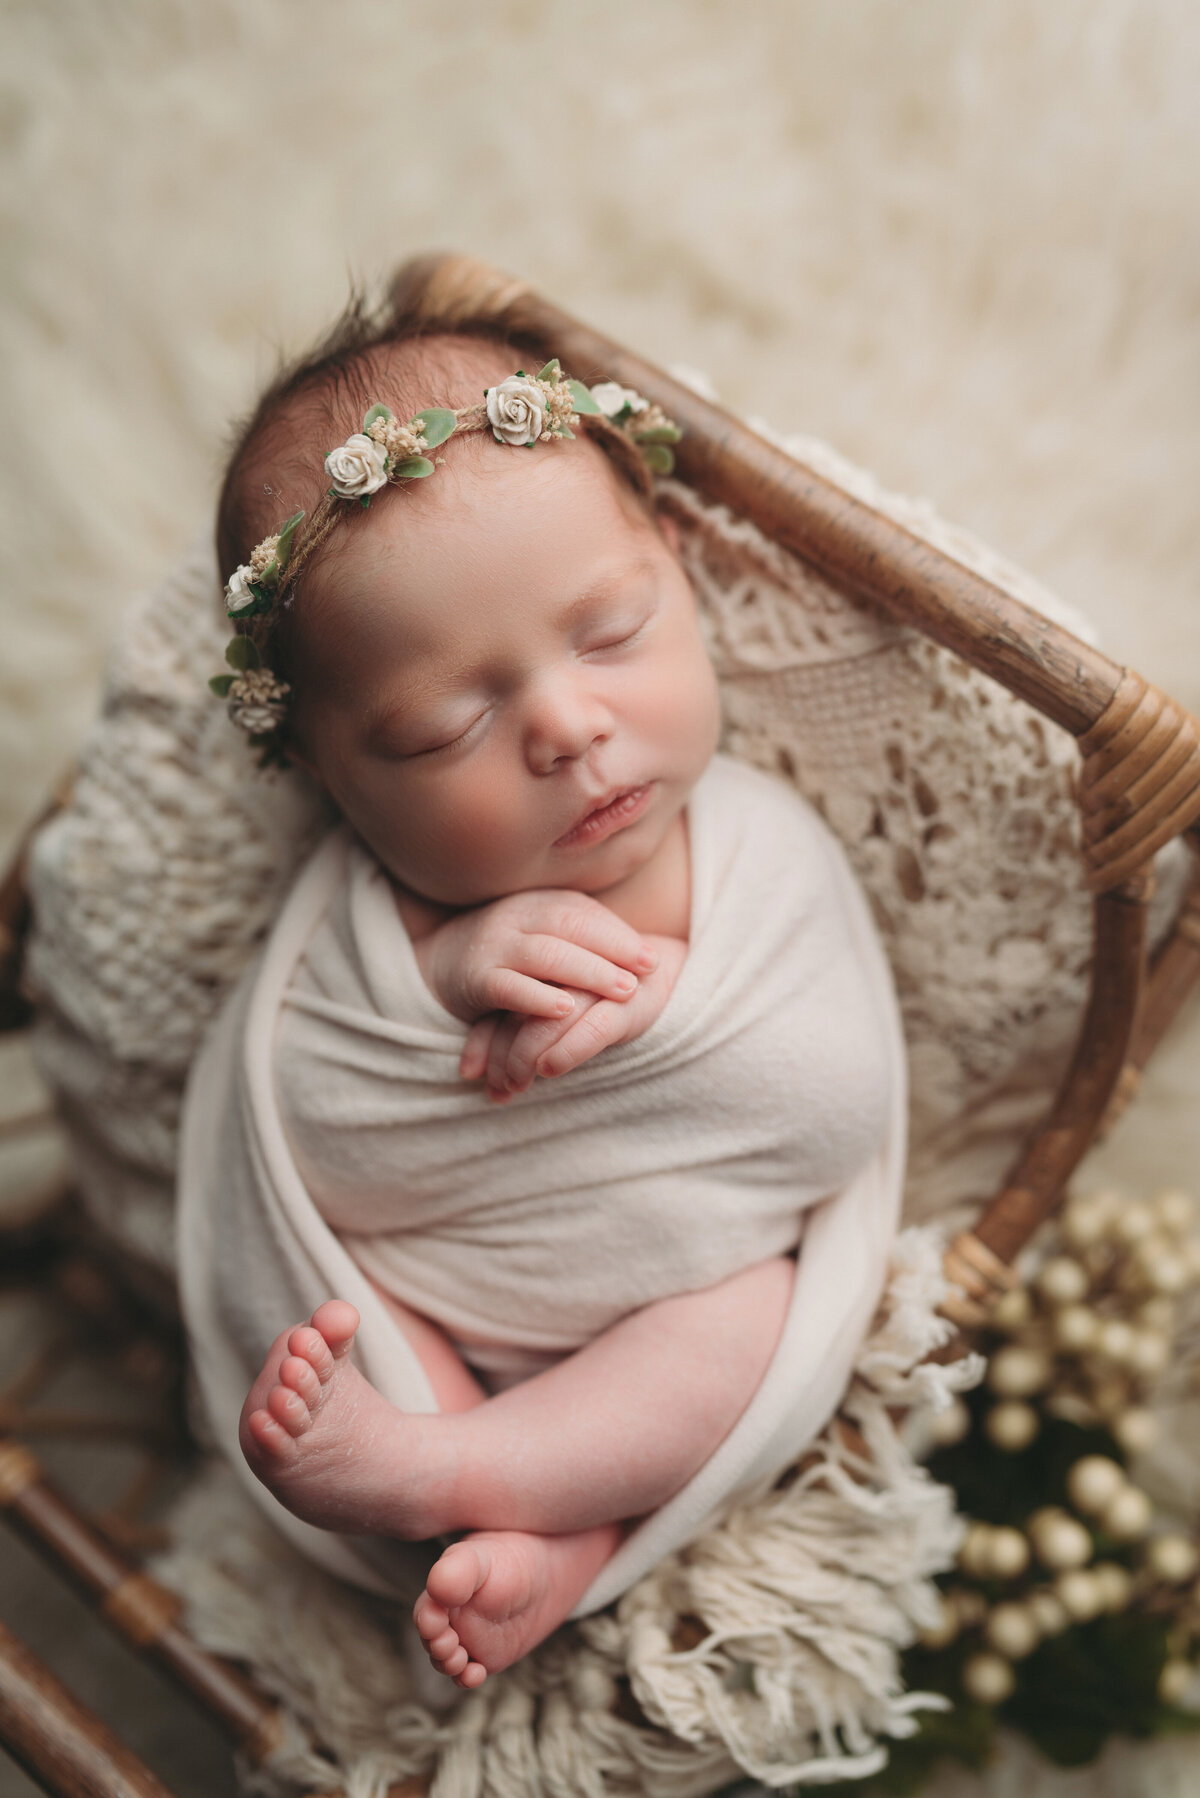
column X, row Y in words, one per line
column 507, row 687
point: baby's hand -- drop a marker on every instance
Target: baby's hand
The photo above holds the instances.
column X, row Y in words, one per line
column 518, row 953
column 509, row 1050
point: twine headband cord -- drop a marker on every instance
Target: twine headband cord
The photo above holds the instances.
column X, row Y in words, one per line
column 520, row 411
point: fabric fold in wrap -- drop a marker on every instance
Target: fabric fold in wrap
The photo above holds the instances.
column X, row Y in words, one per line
column 326, row 1133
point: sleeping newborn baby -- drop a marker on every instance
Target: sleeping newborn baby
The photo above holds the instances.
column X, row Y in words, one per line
column 562, row 1042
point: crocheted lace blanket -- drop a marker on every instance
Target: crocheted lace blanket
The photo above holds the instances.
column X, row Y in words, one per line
column 953, row 799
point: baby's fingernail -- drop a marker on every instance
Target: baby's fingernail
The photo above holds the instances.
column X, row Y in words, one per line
column 564, row 1005
column 648, row 959
column 625, row 983
column 545, row 1070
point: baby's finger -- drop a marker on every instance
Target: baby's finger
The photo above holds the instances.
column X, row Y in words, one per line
column 587, row 922
column 472, row 1063
column 599, row 1027
column 498, row 1052
column 569, row 964
column 532, row 1040
column 506, row 989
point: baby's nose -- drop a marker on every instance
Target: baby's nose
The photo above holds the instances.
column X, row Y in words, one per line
column 564, row 722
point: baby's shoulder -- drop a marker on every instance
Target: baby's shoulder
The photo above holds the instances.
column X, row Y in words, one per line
column 749, row 799
column 754, row 824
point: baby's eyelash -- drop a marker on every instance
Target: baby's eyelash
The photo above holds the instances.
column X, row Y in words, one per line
column 618, row 642
column 437, row 748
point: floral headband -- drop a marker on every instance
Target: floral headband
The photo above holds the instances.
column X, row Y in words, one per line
column 521, row 411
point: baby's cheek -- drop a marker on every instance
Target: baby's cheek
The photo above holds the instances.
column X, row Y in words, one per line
column 475, row 829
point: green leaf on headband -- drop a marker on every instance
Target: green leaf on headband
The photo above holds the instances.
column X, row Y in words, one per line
column 283, row 548
column 436, row 425
column 373, row 414
column 657, row 457
column 659, row 434
column 565, row 431
column 242, row 655
column 221, row 683
column 551, row 372
column 583, row 400
column 414, row 468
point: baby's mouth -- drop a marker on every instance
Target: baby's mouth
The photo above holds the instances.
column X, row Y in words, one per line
column 614, row 814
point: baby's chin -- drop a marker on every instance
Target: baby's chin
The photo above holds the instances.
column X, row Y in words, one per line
column 593, row 873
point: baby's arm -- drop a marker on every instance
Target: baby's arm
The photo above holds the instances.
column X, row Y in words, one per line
column 519, row 953
column 508, row 1050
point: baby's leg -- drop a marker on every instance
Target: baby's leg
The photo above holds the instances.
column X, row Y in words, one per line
column 545, row 1470
column 618, row 1427
column 608, row 1433
column 504, row 1589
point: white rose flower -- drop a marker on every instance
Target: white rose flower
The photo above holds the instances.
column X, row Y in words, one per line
column 610, row 396
column 358, row 468
column 238, row 596
column 516, row 410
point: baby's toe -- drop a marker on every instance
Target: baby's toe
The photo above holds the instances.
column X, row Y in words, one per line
column 454, row 1663
column 458, row 1575
column 269, row 1437
column 290, row 1410
column 301, row 1376
column 337, row 1321
column 472, row 1676
column 442, row 1646
column 307, row 1344
column 430, row 1618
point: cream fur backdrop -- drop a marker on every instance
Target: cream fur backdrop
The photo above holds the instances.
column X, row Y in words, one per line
column 960, row 242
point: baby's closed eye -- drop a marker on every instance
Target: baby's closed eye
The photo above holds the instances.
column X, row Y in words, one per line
column 614, row 636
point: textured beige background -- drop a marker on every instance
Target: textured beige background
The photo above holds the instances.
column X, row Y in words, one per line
column 960, row 242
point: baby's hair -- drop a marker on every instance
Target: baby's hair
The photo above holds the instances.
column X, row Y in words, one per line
column 386, row 353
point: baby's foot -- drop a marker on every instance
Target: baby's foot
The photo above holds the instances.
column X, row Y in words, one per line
column 498, row 1593
column 328, row 1446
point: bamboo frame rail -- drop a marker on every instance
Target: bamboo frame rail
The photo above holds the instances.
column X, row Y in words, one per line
column 58, row 1741
column 143, row 1612
column 1174, row 976
column 145, row 1615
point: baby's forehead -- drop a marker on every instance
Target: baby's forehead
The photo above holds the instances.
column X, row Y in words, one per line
column 488, row 503
column 541, row 538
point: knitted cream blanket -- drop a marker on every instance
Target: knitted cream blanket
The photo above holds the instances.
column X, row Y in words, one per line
column 326, row 1132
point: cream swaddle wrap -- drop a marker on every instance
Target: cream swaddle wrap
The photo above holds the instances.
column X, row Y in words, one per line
column 327, row 1135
